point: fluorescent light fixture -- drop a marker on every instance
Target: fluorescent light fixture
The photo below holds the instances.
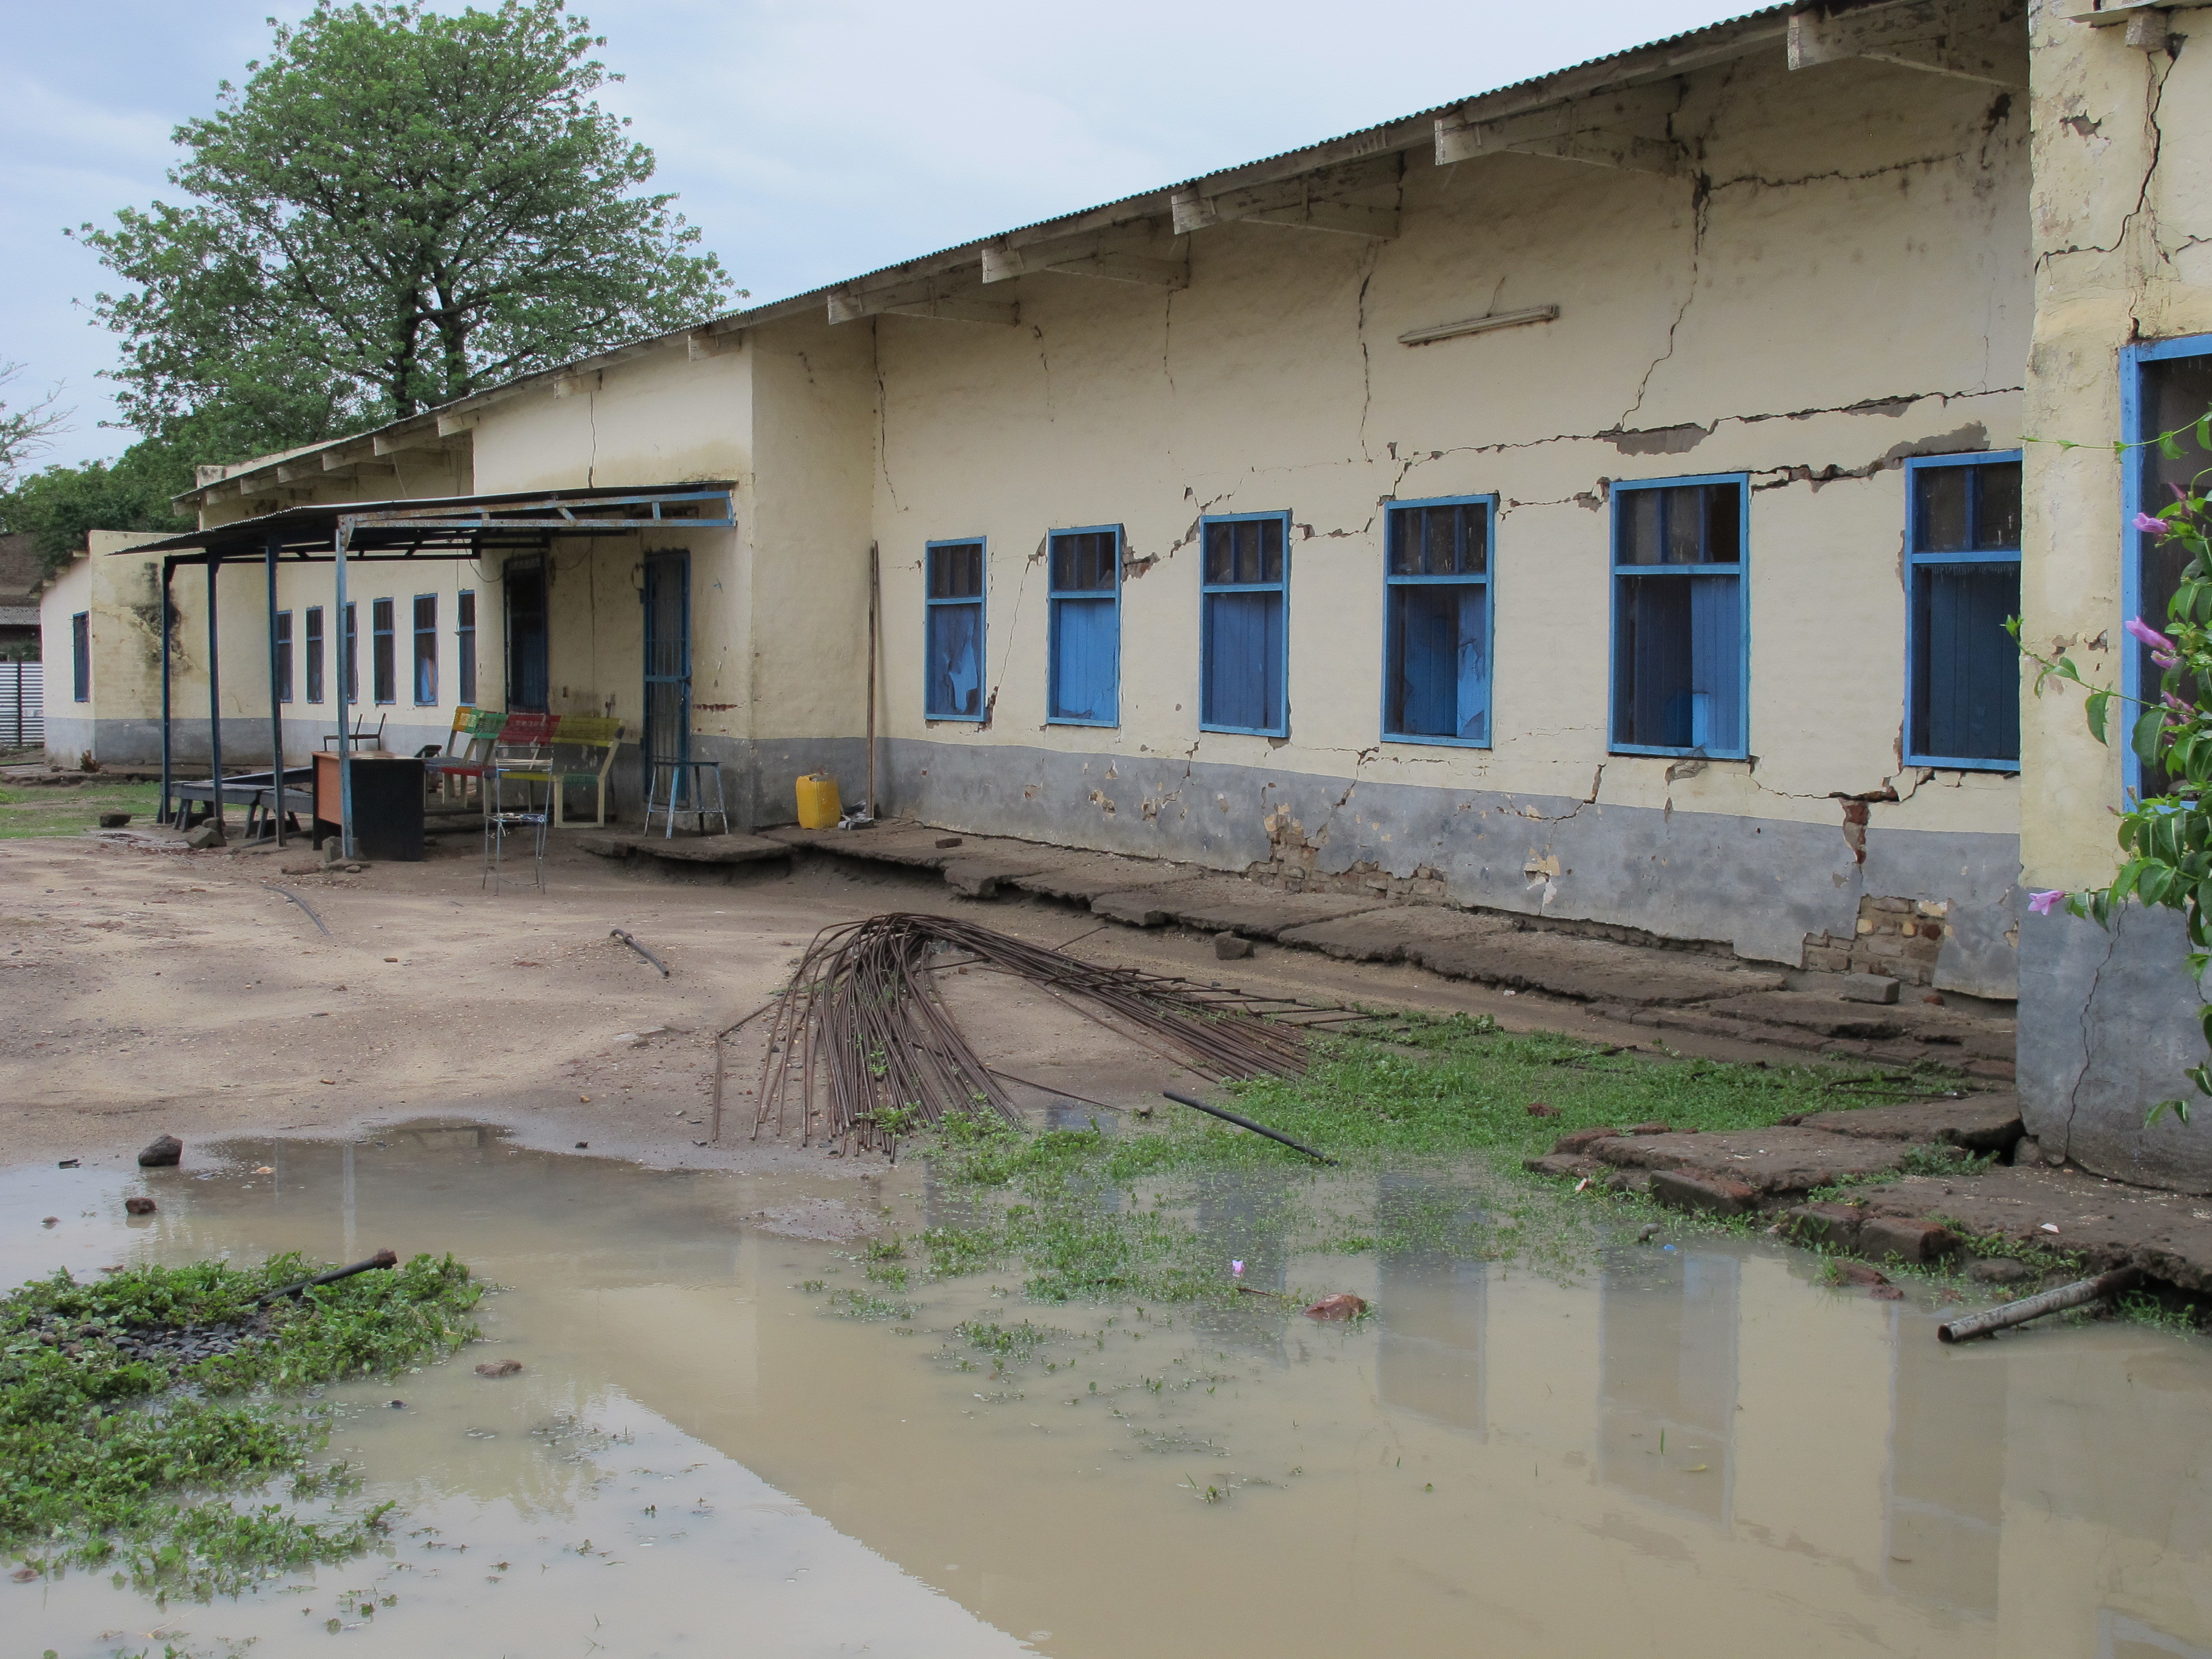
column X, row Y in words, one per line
column 1414, row 336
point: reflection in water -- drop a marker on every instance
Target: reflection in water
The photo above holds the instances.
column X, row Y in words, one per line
column 1946, row 1477
column 1666, row 1419
column 697, row 1456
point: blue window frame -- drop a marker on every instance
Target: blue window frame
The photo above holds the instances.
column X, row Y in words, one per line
column 1436, row 624
column 382, row 665
column 283, row 656
column 1244, row 626
column 426, row 648
column 1085, row 677
column 350, row 656
column 465, row 644
column 1962, row 582
column 1681, row 650
column 314, row 653
column 80, row 657
column 2164, row 385
column 953, row 630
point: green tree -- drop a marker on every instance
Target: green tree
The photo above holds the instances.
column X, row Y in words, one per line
column 24, row 432
column 396, row 210
column 58, row 504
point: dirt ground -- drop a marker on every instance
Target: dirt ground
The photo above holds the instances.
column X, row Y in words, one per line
column 149, row 993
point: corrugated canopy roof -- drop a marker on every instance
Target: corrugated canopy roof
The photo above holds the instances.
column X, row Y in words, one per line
column 454, row 526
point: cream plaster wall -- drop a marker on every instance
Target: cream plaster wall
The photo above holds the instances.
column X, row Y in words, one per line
column 2121, row 216
column 2123, row 221
column 1845, row 284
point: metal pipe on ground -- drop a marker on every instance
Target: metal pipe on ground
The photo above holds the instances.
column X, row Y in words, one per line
column 624, row 937
column 381, row 1258
column 1228, row 1116
column 2081, row 1293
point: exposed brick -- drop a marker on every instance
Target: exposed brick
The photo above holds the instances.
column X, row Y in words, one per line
column 1833, row 1224
column 1882, row 1236
column 1686, row 1191
column 1563, row 1164
column 1580, row 1140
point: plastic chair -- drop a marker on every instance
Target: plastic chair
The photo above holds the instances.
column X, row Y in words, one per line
column 468, row 747
column 590, row 734
column 498, row 818
column 685, row 779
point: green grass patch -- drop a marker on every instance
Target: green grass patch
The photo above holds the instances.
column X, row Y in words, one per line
column 68, row 810
column 111, row 1458
column 1428, row 1115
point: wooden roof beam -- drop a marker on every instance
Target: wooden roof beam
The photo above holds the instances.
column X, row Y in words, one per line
column 1625, row 129
column 948, row 296
column 1316, row 201
column 1942, row 37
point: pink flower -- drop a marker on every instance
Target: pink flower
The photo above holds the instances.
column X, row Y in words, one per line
column 2151, row 526
column 2165, row 660
column 2044, row 904
column 1236, row 1269
column 2138, row 629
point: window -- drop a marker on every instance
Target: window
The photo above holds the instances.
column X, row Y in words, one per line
column 954, row 645
column 351, row 653
column 1962, row 560
column 426, row 648
column 1243, row 630
column 1679, row 656
column 465, row 645
column 81, row 656
column 314, row 653
column 283, row 656
column 2164, row 388
column 381, row 666
column 1085, row 673
column 1436, row 638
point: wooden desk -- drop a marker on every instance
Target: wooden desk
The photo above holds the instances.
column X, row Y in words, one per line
column 388, row 794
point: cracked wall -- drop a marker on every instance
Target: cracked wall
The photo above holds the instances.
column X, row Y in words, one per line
column 2122, row 221
column 1839, row 282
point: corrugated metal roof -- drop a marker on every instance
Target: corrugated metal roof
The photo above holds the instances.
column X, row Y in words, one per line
column 1653, row 58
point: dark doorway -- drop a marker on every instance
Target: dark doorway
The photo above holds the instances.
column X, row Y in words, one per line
column 527, row 683
column 667, row 596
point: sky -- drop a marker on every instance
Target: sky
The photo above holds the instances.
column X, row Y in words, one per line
column 810, row 140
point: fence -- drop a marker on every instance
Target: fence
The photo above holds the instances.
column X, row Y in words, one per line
column 23, row 705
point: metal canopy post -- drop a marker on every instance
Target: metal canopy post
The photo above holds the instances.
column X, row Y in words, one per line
column 339, row 537
column 276, row 708
column 168, row 626
column 215, row 690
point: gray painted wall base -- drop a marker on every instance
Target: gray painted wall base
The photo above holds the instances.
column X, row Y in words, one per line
column 1758, row 884
column 2108, row 1022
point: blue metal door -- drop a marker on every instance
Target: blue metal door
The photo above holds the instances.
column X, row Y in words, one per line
column 667, row 596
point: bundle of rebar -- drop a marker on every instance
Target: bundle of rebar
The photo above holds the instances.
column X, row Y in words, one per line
column 865, row 1046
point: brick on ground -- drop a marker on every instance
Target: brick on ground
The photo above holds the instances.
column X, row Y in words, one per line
column 1390, row 935
column 1982, row 1123
column 1589, row 969
column 1779, row 1164
column 2108, row 1223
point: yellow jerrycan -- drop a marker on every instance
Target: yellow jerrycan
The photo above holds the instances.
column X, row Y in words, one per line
column 818, row 808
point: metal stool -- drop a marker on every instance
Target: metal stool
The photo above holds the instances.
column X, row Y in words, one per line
column 686, row 779
column 498, row 818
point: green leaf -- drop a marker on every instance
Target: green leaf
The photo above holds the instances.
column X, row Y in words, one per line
column 2145, row 738
column 2095, row 708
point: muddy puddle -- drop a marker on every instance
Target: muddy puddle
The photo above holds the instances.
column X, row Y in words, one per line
column 1688, row 1452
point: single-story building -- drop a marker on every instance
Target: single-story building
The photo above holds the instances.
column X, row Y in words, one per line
column 1599, row 500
